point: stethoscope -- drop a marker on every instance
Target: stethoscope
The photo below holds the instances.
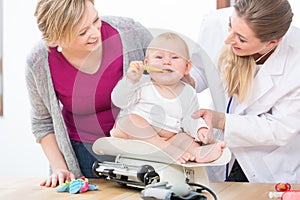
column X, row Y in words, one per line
column 227, row 165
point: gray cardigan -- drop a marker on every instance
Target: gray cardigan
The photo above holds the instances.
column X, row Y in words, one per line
column 46, row 116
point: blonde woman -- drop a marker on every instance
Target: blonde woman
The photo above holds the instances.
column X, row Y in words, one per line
column 260, row 67
column 70, row 76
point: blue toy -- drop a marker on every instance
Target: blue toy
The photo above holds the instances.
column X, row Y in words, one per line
column 76, row 186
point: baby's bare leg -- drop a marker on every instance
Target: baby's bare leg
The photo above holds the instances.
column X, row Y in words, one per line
column 184, row 141
column 135, row 127
column 208, row 153
column 202, row 154
column 116, row 132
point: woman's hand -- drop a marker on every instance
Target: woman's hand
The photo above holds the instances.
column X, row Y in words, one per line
column 58, row 165
column 212, row 118
column 58, row 177
column 135, row 71
column 189, row 80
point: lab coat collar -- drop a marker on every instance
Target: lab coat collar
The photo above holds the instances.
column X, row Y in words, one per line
column 274, row 66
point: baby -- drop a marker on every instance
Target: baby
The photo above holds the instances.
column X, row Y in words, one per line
column 157, row 107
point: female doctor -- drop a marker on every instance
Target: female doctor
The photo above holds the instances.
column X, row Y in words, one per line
column 260, row 69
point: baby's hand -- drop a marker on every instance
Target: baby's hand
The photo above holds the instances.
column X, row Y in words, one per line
column 205, row 135
column 135, row 71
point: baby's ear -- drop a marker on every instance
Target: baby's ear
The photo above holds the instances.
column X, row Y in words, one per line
column 188, row 67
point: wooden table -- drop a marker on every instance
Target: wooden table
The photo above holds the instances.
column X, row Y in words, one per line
column 27, row 188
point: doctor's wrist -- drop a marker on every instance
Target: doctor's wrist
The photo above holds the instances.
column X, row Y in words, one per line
column 219, row 120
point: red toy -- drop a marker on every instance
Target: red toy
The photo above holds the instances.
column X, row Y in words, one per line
column 282, row 187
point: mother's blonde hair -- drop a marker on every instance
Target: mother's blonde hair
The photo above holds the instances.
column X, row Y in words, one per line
column 270, row 20
column 57, row 19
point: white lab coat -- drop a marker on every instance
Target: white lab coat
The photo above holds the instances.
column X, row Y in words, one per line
column 264, row 132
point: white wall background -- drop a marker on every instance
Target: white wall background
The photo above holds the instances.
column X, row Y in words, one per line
column 296, row 10
column 1, row 22
column 1, row 17
column 20, row 155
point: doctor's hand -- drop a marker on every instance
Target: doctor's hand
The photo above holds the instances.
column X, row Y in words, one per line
column 212, row 118
column 58, row 177
column 205, row 135
column 189, row 80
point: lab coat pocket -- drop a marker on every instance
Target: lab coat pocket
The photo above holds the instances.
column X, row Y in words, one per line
column 283, row 163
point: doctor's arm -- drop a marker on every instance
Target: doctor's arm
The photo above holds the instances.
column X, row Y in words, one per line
column 216, row 119
column 277, row 126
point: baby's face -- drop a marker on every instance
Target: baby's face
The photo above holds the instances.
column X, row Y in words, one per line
column 174, row 66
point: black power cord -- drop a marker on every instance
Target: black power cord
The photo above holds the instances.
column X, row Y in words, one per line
column 202, row 188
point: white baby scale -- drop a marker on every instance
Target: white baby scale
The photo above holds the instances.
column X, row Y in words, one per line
column 139, row 163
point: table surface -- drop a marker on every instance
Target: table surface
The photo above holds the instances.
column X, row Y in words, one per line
column 26, row 188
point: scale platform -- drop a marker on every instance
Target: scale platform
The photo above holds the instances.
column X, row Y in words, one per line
column 139, row 153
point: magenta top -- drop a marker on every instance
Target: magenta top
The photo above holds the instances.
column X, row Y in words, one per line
column 86, row 98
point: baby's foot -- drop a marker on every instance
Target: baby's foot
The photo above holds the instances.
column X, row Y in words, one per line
column 185, row 157
column 209, row 153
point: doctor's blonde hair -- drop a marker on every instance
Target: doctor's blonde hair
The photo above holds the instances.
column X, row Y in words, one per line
column 58, row 19
column 270, row 20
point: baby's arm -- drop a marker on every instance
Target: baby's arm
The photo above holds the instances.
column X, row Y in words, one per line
column 135, row 71
column 125, row 93
column 198, row 129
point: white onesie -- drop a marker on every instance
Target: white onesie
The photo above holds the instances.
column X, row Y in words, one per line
column 143, row 99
